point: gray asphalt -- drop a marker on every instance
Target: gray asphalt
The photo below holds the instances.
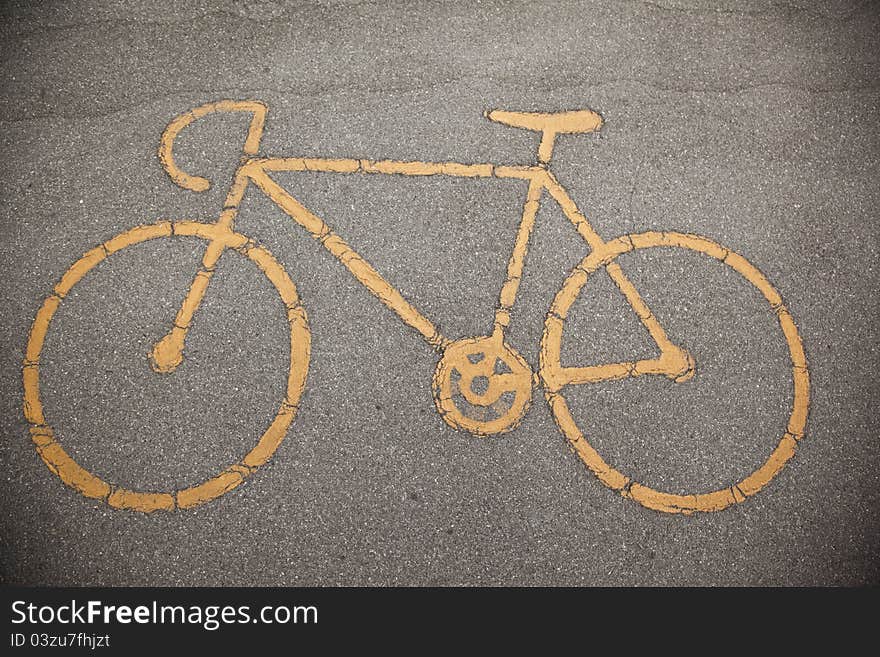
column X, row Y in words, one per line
column 753, row 123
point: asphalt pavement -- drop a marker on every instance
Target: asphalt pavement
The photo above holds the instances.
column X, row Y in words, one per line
column 752, row 123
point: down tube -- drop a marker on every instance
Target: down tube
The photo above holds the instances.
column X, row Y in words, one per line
column 360, row 268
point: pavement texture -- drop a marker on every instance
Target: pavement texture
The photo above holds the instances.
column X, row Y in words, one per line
column 756, row 124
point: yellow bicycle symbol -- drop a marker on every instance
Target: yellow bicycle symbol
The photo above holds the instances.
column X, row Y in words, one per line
column 481, row 384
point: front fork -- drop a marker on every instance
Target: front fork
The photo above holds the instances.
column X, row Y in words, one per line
column 167, row 353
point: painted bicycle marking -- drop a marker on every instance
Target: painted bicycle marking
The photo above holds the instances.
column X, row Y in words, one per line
column 481, row 384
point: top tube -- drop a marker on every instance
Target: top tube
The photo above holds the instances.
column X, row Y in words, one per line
column 397, row 167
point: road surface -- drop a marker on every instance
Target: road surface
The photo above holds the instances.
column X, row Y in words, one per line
column 754, row 124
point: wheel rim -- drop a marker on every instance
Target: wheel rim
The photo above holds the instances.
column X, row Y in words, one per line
column 610, row 476
column 92, row 486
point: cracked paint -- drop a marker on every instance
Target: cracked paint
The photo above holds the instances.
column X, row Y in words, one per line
column 506, row 379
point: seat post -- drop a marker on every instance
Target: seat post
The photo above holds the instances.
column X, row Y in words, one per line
column 545, row 149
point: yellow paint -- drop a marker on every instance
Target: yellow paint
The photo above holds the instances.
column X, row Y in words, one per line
column 90, row 485
column 457, row 361
column 481, row 384
column 556, row 376
column 549, row 125
column 145, row 502
column 251, row 145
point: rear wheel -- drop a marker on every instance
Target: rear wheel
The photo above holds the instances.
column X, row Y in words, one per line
column 553, row 374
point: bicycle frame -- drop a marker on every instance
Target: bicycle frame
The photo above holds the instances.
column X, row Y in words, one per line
column 481, row 384
column 673, row 361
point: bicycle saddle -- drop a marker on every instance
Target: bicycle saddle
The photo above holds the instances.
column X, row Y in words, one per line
column 558, row 122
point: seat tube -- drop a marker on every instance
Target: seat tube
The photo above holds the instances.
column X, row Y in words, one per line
column 517, row 259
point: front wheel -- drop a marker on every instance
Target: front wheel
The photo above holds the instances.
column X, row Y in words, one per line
column 92, row 486
column 552, row 373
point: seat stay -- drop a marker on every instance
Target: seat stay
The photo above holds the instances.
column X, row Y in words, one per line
column 672, row 359
column 549, row 125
